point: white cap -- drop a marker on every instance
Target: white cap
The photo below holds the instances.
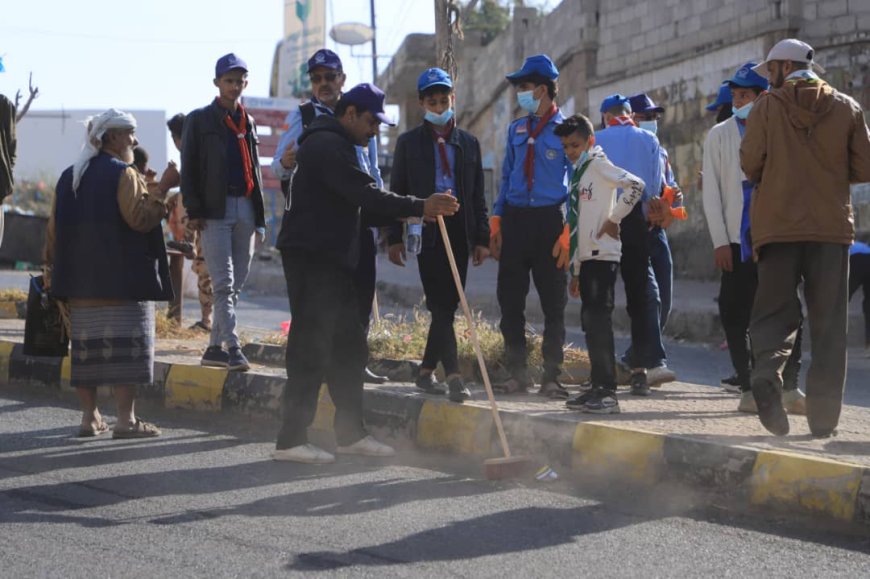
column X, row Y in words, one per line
column 789, row 49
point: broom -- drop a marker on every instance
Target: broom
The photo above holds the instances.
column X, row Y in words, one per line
column 509, row 465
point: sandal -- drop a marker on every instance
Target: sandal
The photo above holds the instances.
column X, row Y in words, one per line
column 511, row 387
column 553, row 390
column 141, row 429
column 88, row 432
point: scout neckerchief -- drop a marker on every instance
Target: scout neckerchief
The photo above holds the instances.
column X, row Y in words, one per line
column 529, row 167
column 621, row 121
column 574, row 209
column 441, row 138
column 239, row 131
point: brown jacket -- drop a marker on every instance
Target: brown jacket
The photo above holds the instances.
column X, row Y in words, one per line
column 804, row 144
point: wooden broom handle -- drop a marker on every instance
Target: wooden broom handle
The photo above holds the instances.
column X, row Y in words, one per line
column 493, row 405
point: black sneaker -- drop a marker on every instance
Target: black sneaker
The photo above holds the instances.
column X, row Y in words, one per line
column 428, row 384
column 639, row 387
column 770, row 411
column 601, row 401
column 578, row 401
column 215, row 357
column 457, row 391
column 732, row 384
column 237, row 361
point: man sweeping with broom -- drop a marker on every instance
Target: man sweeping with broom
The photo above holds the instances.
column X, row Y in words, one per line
column 319, row 243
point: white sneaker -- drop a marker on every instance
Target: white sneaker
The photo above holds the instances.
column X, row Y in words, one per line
column 747, row 403
column 794, row 402
column 367, row 446
column 305, row 453
column 660, row 375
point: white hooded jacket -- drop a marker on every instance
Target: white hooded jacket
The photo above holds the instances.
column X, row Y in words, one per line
column 598, row 200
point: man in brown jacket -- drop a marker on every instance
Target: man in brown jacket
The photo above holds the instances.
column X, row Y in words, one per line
column 805, row 143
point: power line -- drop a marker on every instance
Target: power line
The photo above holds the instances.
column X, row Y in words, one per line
column 148, row 40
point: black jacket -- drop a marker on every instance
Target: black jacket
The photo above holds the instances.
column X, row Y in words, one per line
column 328, row 190
column 413, row 173
column 204, row 165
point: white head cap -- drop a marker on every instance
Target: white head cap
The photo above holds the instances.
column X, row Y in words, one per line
column 789, row 49
column 97, row 126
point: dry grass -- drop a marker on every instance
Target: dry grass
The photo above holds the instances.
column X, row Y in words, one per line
column 13, row 295
column 404, row 338
column 167, row 329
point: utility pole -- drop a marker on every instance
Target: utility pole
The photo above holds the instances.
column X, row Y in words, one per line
column 442, row 25
column 374, row 44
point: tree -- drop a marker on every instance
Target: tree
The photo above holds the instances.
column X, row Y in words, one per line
column 491, row 19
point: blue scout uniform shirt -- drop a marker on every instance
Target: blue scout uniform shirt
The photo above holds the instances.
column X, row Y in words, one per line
column 235, row 165
column 638, row 152
column 442, row 181
column 367, row 156
column 550, row 185
column 745, row 233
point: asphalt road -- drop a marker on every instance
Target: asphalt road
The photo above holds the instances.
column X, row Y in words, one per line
column 205, row 501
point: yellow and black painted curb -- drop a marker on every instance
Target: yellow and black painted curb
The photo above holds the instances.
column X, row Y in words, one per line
column 795, row 483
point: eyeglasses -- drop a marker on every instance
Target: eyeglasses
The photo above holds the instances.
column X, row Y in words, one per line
column 328, row 77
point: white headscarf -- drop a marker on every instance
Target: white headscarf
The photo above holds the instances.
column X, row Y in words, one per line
column 97, row 127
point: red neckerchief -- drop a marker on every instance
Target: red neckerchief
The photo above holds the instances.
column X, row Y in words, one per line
column 529, row 166
column 441, row 138
column 621, row 122
column 247, row 164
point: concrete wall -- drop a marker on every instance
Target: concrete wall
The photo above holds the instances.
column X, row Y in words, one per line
column 678, row 51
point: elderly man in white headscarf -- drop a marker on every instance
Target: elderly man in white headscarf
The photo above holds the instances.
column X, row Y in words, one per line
column 108, row 264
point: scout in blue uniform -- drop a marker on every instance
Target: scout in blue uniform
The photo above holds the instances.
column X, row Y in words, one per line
column 439, row 157
column 528, row 231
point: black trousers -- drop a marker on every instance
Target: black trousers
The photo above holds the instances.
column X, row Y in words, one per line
column 326, row 342
column 442, row 299
column 365, row 276
column 736, row 295
column 776, row 317
column 528, row 236
column 597, row 283
column 859, row 277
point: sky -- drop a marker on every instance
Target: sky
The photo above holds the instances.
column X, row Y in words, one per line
column 160, row 54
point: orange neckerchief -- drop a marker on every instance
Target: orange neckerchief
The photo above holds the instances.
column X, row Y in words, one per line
column 240, row 131
column 621, row 122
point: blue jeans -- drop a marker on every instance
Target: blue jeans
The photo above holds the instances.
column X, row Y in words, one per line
column 228, row 245
column 663, row 268
column 642, row 295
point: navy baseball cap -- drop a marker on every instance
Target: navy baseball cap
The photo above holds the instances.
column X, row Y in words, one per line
column 368, row 97
column 641, row 103
column 325, row 58
column 540, row 65
column 746, row 77
column 614, row 100
column 227, row 63
column 433, row 77
column 723, row 98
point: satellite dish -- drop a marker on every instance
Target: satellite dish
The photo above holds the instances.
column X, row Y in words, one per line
column 351, row 33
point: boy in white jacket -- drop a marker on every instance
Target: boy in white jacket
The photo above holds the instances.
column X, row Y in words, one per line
column 594, row 214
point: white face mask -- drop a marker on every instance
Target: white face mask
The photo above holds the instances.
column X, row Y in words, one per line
column 651, row 126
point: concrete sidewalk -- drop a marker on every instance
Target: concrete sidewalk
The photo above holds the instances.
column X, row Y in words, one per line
column 694, row 317
column 684, row 433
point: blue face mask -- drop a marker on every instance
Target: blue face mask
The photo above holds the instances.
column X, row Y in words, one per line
column 651, row 126
column 528, row 102
column 583, row 158
column 743, row 112
column 437, row 119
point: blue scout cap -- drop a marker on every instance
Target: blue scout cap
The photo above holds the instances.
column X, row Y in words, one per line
column 613, row 100
column 745, row 77
column 325, row 58
column 227, row 63
column 433, row 77
column 641, row 103
column 723, row 98
column 368, row 97
column 540, row 64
